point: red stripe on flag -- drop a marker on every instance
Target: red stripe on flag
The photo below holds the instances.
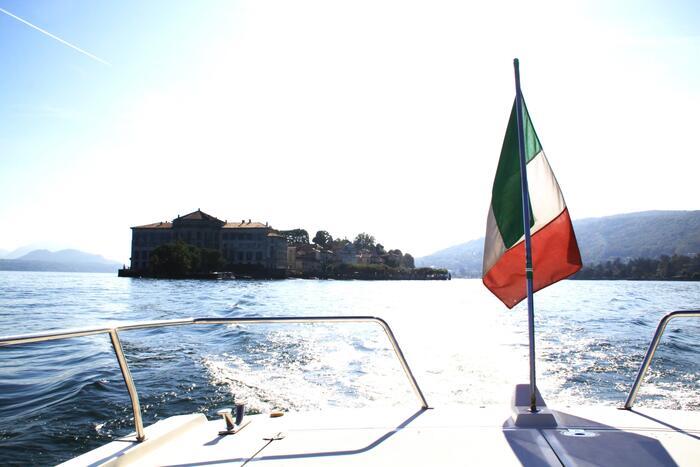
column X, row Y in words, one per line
column 555, row 256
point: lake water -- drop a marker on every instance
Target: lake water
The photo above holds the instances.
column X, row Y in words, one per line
column 58, row 399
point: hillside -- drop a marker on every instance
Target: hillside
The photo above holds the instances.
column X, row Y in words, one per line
column 647, row 234
column 463, row 260
column 63, row 260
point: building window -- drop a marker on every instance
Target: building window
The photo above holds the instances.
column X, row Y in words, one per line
column 249, row 255
column 258, row 256
column 240, row 256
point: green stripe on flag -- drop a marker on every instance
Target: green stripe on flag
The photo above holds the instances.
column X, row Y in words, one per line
column 532, row 142
column 506, row 197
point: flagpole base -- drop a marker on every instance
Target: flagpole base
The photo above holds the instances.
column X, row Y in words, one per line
column 523, row 417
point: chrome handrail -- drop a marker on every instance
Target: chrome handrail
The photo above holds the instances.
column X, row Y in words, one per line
column 652, row 349
column 113, row 332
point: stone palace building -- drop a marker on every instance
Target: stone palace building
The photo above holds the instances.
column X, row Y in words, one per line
column 244, row 245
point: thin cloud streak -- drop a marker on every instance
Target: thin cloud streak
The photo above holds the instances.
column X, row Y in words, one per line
column 94, row 57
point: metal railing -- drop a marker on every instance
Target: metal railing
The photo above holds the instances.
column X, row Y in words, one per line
column 652, row 349
column 113, row 332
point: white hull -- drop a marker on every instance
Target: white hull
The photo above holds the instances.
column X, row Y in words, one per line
column 407, row 437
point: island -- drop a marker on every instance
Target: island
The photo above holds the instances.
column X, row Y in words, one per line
column 199, row 245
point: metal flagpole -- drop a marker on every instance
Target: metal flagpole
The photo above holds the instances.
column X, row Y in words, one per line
column 526, row 226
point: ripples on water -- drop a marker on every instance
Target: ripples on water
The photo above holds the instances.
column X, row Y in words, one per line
column 58, row 399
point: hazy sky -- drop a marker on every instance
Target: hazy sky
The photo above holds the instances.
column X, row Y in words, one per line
column 385, row 117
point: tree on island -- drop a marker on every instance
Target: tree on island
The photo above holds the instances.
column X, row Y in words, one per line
column 364, row 241
column 296, row 236
column 393, row 258
column 380, row 259
column 181, row 259
column 339, row 243
column 174, row 259
column 323, row 239
column 211, row 260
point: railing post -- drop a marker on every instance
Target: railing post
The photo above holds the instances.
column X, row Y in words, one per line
column 404, row 363
column 660, row 328
column 124, row 367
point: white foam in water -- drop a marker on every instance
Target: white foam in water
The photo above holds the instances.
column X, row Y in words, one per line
column 309, row 368
column 464, row 348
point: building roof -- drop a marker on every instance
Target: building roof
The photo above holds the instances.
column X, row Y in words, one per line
column 245, row 225
column 199, row 215
column 156, row 225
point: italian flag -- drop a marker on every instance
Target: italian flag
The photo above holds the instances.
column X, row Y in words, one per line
column 555, row 254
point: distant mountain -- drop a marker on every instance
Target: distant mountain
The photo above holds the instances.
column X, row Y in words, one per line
column 64, row 256
column 3, row 253
column 462, row 260
column 16, row 253
column 63, row 260
column 647, row 234
column 24, row 249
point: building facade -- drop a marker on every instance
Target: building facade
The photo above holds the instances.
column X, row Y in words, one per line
column 243, row 245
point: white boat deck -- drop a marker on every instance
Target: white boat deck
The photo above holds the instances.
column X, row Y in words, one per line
column 584, row 436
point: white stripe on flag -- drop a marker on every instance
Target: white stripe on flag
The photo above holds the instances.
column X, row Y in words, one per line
column 493, row 243
column 545, row 196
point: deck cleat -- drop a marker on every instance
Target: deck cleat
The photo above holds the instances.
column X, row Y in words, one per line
column 232, row 427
